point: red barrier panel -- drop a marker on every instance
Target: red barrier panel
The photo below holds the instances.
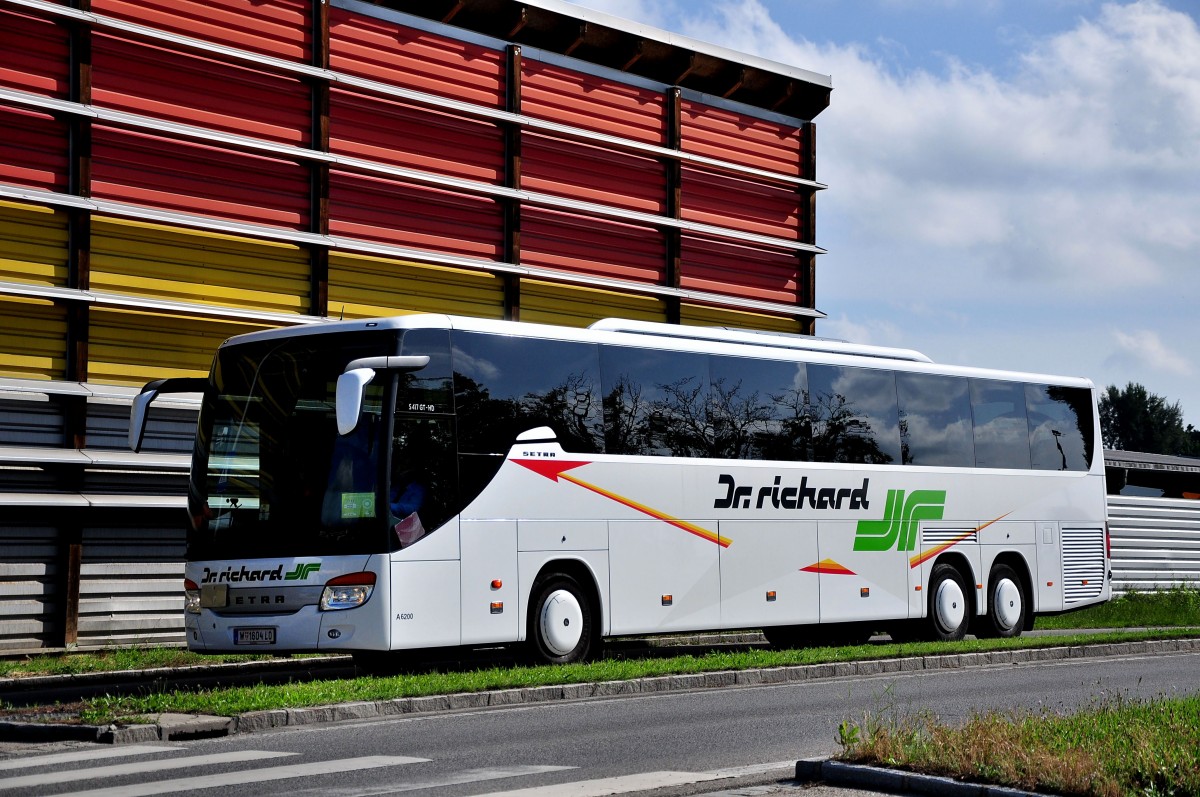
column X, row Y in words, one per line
column 193, row 178
column 727, row 200
column 407, row 135
column 592, row 102
column 279, row 28
column 183, row 87
column 588, row 245
column 34, row 54
column 399, row 56
column 375, row 209
column 739, row 138
column 731, row 269
column 593, row 174
column 33, row 149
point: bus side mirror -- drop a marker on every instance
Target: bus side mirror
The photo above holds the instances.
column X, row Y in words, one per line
column 350, row 388
column 358, row 374
column 141, row 403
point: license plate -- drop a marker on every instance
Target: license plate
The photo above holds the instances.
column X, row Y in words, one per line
column 254, row 636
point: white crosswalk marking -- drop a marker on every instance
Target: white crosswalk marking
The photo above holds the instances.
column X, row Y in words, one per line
column 242, row 777
column 621, row 784
column 453, row 779
column 135, row 768
column 54, row 759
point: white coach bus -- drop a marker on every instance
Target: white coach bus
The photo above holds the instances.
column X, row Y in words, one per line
column 429, row 481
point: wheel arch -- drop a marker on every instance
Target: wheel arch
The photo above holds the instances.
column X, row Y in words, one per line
column 578, row 569
column 962, row 564
column 1021, row 567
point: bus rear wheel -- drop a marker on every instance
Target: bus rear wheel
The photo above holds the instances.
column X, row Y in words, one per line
column 562, row 627
column 1006, row 603
column 949, row 606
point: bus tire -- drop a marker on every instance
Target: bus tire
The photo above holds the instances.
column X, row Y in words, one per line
column 562, row 626
column 1006, row 609
column 949, row 606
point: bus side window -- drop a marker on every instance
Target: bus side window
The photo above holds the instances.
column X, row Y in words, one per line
column 1060, row 428
column 1001, row 424
column 423, row 484
column 935, row 420
column 854, row 414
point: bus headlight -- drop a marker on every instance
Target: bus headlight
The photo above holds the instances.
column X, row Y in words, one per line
column 347, row 592
column 191, row 597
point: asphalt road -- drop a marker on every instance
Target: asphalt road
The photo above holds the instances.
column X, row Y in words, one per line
column 692, row 742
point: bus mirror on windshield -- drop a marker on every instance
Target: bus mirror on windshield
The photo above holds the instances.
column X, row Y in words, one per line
column 358, row 375
column 350, row 387
column 141, row 403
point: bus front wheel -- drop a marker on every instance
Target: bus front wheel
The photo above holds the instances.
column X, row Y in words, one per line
column 949, row 607
column 562, row 626
column 1006, row 603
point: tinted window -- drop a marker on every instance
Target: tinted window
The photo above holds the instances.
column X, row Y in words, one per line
column 935, row 420
column 1060, row 427
column 758, row 410
column 854, row 415
column 507, row 385
column 428, row 390
column 1001, row 428
column 655, row 403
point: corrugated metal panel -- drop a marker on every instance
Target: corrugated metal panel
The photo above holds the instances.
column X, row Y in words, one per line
column 375, row 209
column 398, row 133
column 28, row 570
column 33, row 54
column 549, row 303
column 1155, row 542
column 194, row 178
column 592, row 102
column 278, row 28
column 581, row 171
column 33, row 245
column 33, row 149
column 729, row 201
column 33, row 420
column 583, row 244
column 128, row 348
column 33, row 335
column 699, row 315
column 743, row 270
column 210, row 268
column 131, row 582
column 362, row 287
column 382, row 50
column 738, row 138
column 142, row 78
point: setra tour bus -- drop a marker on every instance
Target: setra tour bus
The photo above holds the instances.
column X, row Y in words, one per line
column 429, row 481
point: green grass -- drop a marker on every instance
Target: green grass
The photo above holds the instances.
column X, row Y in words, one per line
column 237, row 700
column 1172, row 607
column 1118, row 748
column 111, row 660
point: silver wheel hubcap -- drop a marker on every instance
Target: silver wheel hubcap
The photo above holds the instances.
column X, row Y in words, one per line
column 561, row 622
column 949, row 605
column 1006, row 604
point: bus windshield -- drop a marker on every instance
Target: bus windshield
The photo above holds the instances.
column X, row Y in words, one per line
column 270, row 475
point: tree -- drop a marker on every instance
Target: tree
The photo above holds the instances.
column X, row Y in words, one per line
column 1134, row 419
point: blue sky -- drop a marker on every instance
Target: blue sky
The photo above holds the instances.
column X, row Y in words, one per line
column 1013, row 183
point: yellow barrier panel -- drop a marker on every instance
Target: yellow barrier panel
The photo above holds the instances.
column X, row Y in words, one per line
column 362, row 287
column 574, row 306
column 155, row 261
column 33, row 245
column 33, row 339
column 130, row 348
column 701, row 316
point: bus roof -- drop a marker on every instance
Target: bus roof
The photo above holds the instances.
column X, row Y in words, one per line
column 716, row 340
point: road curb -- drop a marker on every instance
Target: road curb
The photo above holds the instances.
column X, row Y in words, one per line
column 894, row 781
column 169, row 727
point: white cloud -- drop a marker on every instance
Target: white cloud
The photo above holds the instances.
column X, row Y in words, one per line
column 1145, row 348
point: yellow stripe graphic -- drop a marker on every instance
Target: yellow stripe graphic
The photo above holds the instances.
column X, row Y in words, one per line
column 919, row 559
column 654, row 513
